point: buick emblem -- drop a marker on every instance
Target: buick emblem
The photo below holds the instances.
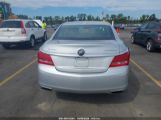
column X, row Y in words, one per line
column 81, row 52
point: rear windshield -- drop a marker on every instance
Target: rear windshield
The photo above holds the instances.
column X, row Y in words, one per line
column 11, row 24
column 85, row 32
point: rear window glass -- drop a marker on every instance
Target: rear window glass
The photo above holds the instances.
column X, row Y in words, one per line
column 154, row 25
column 85, row 32
column 11, row 24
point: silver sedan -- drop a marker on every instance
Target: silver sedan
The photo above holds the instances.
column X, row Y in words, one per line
column 84, row 57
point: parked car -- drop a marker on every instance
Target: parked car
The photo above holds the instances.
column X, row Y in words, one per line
column 18, row 32
column 84, row 57
column 149, row 35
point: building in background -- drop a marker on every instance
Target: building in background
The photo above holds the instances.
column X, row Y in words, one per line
column 5, row 10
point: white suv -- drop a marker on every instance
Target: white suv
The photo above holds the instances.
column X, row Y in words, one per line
column 18, row 32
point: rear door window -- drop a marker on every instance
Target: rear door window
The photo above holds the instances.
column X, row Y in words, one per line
column 27, row 25
column 144, row 26
column 31, row 24
column 11, row 24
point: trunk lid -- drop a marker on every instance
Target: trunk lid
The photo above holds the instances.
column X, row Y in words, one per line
column 10, row 32
column 97, row 58
column 11, row 28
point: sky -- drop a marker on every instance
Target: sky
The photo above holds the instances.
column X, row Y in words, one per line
column 134, row 8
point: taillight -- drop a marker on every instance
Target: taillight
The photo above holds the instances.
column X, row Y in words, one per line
column 44, row 58
column 23, row 30
column 159, row 31
column 159, row 36
column 121, row 60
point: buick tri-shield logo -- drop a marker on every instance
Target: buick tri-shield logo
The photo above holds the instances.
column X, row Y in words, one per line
column 81, row 52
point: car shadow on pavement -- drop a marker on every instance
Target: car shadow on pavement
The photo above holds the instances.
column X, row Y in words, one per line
column 157, row 50
column 113, row 98
column 26, row 47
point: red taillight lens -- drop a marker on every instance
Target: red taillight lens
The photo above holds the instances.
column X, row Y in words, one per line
column 44, row 58
column 159, row 31
column 159, row 36
column 23, row 30
column 121, row 60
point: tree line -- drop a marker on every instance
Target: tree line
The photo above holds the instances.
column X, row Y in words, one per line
column 118, row 18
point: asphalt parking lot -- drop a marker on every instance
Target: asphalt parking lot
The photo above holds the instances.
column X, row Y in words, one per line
column 21, row 96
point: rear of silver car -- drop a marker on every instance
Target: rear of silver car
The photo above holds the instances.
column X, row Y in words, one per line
column 84, row 65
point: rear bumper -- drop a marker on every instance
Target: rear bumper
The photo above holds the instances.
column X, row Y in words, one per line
column 13, row 39
column 157, row 44
column 115, row 79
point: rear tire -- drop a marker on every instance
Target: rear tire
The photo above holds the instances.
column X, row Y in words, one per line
column 150, row 46
column 6, row 46
column 133, row 40
column 44, row 37
column 32, row 42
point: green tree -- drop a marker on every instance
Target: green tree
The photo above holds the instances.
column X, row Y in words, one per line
column 90, row 18
column 81, row 17
column 120, row 16
column 113, row 17
column 152, row 17
column 98, row 18
column 143, row 18
column 72, row 18
column 22, row 16
column 67, row 18
column 107, row 17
